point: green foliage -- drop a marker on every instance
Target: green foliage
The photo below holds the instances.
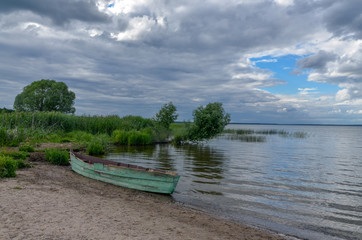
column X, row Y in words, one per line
column 45, row 95
column 26, row 148
column 208, row 122
column 120, row 137
column 131, row 137
column 57, row 156
column 138, row 138
column 180, row 132
column 247, row 138
column 21, row 164
column 95, row 148
column 55, row 121
column 166, row 115
column 98, row 144
column 8, row 167
column 11, row 137
column 15, row 154
column 282, row 133
column 5, row 110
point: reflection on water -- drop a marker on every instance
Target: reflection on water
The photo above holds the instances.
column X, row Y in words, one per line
column 307, row 187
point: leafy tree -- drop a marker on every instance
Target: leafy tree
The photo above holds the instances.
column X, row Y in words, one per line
column 166, row 115
column 208, row 122
column 45, row 95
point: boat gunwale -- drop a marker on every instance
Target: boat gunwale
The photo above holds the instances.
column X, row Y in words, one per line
column 92, row 160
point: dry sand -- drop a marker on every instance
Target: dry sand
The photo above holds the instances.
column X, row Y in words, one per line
column 52, row 202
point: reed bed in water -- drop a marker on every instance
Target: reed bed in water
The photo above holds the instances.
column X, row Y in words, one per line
column 251, row 135
column 266, row 132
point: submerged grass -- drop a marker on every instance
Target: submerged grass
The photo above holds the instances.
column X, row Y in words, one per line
column 266, row 132
column 251, row 135
column 247, row 138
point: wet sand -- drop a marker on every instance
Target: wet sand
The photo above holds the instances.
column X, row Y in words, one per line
column 53, row 202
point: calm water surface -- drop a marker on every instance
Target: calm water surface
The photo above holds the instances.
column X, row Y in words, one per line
column 305, row 187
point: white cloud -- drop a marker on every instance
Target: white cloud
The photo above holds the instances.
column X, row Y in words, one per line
column 285, row 2
column 351, row 111
column 307, row 91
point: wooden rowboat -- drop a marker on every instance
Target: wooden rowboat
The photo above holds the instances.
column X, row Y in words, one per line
column 124, row 175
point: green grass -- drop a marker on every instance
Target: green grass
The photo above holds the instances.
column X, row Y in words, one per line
column 26, row 128
column 8, row 167
column 57, row 156
column 26, row 148
column 17, row 155
column 132, row 137
column 58, row 121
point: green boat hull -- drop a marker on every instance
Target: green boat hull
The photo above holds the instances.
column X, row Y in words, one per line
column 150, row 180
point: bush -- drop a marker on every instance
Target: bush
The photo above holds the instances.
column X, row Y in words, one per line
column 21, row 164
column 208, row 122
column 57, row 156
column 138, row 138
column 132, row 137
column 95, row 148
column 8, row 167
column 179, row 139
column 11, row 137
column 120, row 137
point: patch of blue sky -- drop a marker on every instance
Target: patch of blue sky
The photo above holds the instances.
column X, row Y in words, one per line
column 283, row 67
column 111, row 5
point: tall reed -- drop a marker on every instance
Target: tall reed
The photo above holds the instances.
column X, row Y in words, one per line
column 59, row 121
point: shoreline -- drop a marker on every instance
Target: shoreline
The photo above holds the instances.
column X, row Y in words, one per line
column 53, row 202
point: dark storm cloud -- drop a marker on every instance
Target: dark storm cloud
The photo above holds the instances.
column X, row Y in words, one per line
column 245, row 26
column 60, row 11
column 317, row 61
column 344, row 18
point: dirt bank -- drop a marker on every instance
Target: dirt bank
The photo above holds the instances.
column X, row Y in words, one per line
column 52, row 202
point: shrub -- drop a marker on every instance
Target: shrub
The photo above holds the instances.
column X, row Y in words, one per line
column 8, row 167
column 11, row 137
column 132, row 137
column 57, row 156
column 21, row 164
column 95, row 148
column 120, row 137
column 179, row 139
column 208, row 122
column 138, row 138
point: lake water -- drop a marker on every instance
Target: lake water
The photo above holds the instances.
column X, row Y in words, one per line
column 307, row 187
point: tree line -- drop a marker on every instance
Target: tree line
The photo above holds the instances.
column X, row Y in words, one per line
column 50, row 96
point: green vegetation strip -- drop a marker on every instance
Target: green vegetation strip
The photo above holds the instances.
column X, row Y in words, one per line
column 250, row 135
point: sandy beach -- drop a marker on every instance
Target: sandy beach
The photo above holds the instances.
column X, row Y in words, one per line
column 53, row 202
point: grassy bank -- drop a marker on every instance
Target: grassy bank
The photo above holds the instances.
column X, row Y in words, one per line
column 94, row 133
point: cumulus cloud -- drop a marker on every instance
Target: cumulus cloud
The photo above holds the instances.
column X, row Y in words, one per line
column 317, row 61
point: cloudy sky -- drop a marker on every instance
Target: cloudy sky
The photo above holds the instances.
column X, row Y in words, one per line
column 267, row 61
